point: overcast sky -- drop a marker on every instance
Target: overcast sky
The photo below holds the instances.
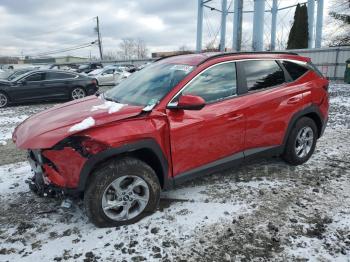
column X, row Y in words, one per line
column 30, row 27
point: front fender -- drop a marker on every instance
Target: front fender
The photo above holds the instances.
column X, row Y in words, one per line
column 149, row 144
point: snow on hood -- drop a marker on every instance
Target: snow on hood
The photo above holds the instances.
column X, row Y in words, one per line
column 111, row 106
column 85, row 124
column 45, row 129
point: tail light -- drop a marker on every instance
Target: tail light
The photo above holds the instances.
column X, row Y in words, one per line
column 94, row 82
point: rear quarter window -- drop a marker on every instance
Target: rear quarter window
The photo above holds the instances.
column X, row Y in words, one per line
column 261, row 74
column 295, row 70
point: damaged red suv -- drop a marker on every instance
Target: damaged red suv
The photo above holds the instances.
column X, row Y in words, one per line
column 177, row 119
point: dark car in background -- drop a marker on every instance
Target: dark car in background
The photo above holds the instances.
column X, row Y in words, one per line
column 18, row 72
column 45, row 85
column 87, row 68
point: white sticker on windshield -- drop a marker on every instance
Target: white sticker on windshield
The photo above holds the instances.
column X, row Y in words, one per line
column 185, row 68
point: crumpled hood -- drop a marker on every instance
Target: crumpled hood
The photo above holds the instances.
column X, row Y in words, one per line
column 45, row 129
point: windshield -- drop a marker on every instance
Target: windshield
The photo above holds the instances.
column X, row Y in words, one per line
column 148, row 86
column 16, row 74
column 19, row 77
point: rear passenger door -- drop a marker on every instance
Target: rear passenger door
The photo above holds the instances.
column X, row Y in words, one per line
column 272, row 100
column 57, row 84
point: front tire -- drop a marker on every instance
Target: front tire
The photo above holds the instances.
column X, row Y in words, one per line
column 77, row 93
column 301, row 142
column 121, row 192
column 4, row 100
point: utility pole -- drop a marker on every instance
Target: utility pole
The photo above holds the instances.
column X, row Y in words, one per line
column 274, row 10
column 319, row 23
column 258, row 25
column 223, row 24
column 99, row 37
column 237, row 25
column 310, row 21
column 199, row 26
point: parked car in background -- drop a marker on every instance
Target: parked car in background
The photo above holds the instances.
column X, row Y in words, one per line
column 72, row 67
column 178, row 119
column 45, row 85
column 17, row 72
column 87, row 68
column 109, row 75
column 121, row 75
column 104, row 76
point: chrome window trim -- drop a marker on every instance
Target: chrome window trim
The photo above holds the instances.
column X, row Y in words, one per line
column 173, row 104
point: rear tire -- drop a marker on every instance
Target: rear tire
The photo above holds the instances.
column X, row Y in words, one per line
column 121, row 192
column 77, row 93
column 301, row 142
column 4, row 100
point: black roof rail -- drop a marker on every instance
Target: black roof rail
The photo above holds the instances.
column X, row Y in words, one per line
column 164, row 57
column 243, row 53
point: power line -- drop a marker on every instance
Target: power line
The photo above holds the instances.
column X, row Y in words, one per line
column 63, row 50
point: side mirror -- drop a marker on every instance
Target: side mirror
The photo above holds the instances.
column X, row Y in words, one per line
column 23, row 82
column 189, row 102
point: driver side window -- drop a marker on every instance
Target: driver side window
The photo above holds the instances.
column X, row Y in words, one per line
column 35, row 77
column 215, row 83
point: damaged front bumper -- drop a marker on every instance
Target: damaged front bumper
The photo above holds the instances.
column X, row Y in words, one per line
column 41, row 183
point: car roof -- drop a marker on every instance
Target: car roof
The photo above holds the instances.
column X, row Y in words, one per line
column 200, row 58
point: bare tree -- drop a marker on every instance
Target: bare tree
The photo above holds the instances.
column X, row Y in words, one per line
column 340, row 23
column 141, row 49
column 131, row 48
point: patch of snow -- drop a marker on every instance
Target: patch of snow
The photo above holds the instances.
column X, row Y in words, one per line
column 111, row 106
column 148, row 108
column 85, row 124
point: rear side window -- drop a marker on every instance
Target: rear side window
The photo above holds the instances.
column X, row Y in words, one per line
column 262, row 74
column 295, row 70
column 58, row 75
column 215, row 83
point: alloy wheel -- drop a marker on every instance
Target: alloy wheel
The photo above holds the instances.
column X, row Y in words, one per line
column 125, row 198
column 304, row 141
column 3, row 100
column 78, row 93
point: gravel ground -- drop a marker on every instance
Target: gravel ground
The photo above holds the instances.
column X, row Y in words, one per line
column 265, row 210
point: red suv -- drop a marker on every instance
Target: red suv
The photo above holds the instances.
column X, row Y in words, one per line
column 177, row 119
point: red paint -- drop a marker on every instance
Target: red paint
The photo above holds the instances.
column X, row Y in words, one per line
column 188, row 101
column 68, row 163
column 188, row 138
column 47, row 128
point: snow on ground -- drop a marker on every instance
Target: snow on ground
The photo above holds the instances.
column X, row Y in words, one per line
column 264, row 210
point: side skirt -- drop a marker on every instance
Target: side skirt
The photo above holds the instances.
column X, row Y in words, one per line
column 227, row 162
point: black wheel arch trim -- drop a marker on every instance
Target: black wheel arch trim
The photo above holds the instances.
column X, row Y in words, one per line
column 308, row 110
column 149, row 144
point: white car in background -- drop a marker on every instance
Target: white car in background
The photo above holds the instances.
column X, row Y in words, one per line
column 109, row 75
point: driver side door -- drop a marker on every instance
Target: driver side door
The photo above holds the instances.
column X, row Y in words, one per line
column 203, row 139
column 30, row 87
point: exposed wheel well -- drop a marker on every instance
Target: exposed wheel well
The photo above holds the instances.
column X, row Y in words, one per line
column 146, row 155
column 316, row 118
